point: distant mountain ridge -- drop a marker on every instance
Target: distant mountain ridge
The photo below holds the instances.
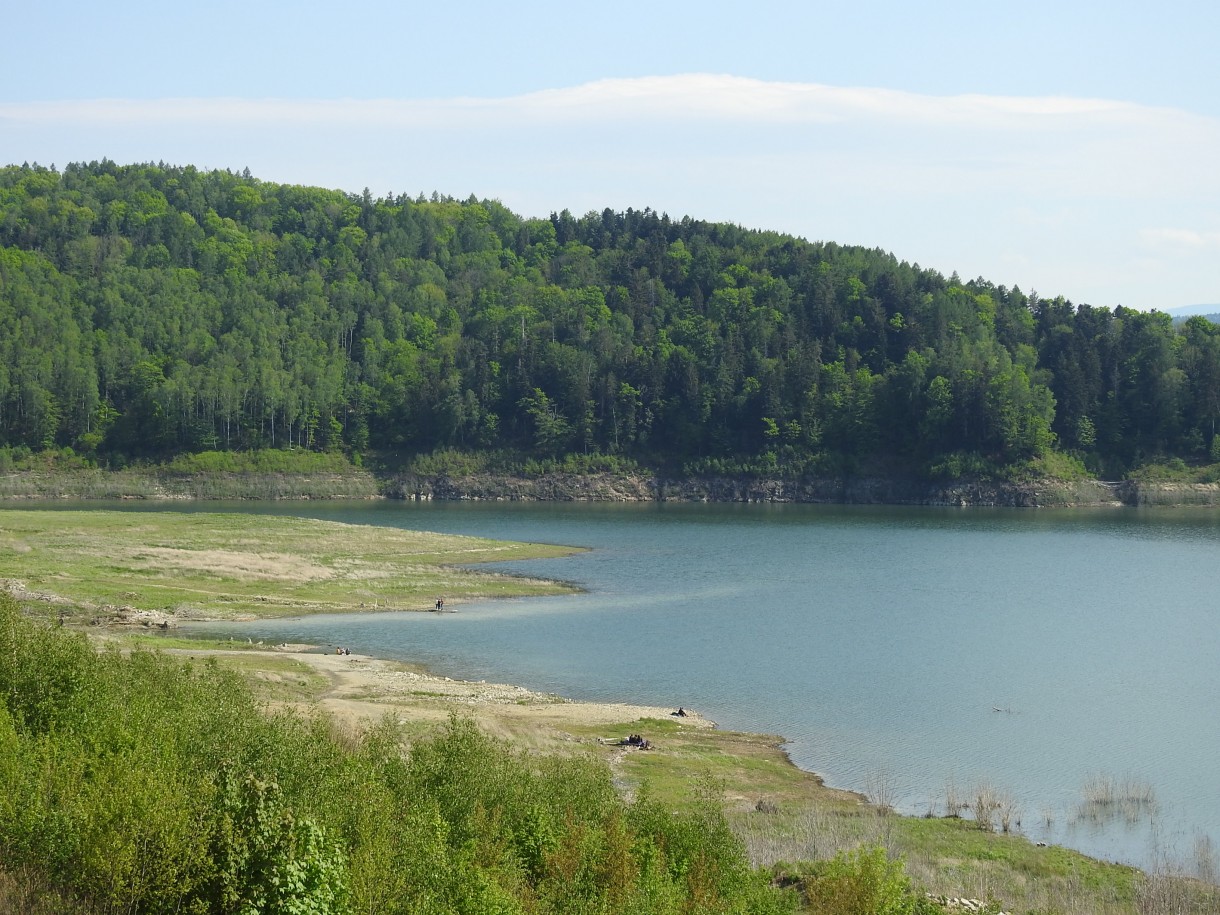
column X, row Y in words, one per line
column 1181, row 315
column 1185, row 311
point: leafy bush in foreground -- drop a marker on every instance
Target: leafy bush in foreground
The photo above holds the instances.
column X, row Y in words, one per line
column 141, row 784
column 864, row 880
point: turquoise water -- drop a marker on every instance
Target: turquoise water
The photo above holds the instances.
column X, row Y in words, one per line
column 879, row 642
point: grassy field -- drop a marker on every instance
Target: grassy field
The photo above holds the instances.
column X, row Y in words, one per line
column 92, row 563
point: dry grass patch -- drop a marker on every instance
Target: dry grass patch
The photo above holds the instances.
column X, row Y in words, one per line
column 232, row 564
column 225, row 565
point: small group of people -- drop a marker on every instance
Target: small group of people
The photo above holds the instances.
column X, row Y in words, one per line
column 440, row 604
column 339, row 650
column 637, row 741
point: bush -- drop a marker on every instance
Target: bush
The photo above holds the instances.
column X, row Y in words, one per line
column 764, row 466
column 270, row 460
column 268, row 862
column 46, row 676
column 1055, row 465
column 20, row 457
column 864, row 882
column 959, row 464
column 451, row 463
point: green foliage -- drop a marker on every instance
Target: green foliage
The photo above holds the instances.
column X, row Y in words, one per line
column 1171, row 470
column 153, row 312
column 1053, row 465
column 577, row 464
column 139, row 785
column 265, row 461
column 22, row 458
column 46, row 677
column 864, row 882
column 452, row 462
column 962, row 464
column 269, row 862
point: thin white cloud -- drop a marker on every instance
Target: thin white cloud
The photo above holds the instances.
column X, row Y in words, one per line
column 908, row 142
column 1182, row 239
column 1050, row 192
column 683, row 98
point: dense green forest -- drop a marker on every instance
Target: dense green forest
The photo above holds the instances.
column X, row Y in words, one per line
column 149, row 311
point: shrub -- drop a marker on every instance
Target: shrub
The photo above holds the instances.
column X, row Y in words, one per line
column 270, row 460
column 45, row 676
column 864, row 882
column 450, row 462
column 268, row 861
column 959, row 464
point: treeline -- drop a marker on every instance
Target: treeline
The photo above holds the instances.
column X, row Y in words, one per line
column 149, row 311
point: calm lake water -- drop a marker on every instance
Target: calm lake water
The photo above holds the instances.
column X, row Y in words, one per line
column 908, row 647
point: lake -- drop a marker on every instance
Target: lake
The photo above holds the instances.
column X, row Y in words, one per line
column 914, row 651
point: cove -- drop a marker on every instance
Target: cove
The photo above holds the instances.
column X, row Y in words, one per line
column 908, row 648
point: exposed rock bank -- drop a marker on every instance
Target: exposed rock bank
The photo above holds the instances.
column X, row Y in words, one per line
column 854, row 491
column 601, row 487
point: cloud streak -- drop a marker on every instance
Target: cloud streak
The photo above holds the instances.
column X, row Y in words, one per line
column 905, row 140
column 1183, row 239
column 686, row 98
column 1061, row 189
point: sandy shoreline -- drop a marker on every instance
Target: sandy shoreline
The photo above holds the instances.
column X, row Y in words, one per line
column 360, row 689
column 357, row 690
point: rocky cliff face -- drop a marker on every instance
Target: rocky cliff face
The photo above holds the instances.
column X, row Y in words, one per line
column 600, row 488
column 559, row 487
column 857, row 491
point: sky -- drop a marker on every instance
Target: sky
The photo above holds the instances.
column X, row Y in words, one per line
column 1068, row 148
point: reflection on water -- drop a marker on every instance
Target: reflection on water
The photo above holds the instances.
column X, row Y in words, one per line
column 1027, row 650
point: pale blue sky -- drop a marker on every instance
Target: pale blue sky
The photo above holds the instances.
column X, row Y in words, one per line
column 1070, row 148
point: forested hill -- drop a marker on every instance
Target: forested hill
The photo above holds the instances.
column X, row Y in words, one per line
column 147, row 311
